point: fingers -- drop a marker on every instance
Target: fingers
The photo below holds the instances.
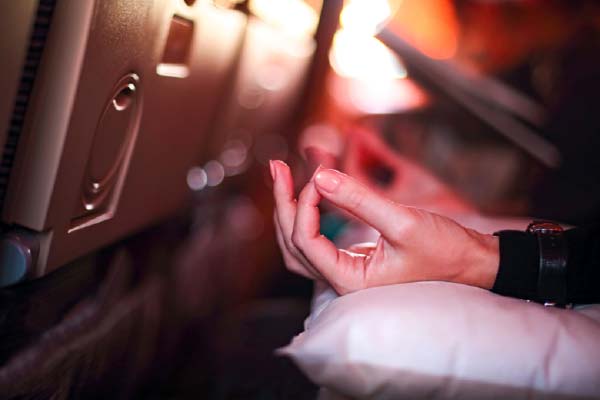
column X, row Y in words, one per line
column 304, row 249
column 307, row 235
column 291, row 262
column 285, row 212
column 374, row 209
column 307, row 221
column 342, row 269
column 285, row 204
column 283, row 191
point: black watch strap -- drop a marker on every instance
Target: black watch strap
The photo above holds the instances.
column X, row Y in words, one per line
column 552, row 274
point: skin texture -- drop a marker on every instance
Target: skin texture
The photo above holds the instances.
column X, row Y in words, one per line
column 414, row 245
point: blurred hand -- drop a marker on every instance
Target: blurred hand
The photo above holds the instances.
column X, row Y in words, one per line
column 414, row 245
column 373, row 163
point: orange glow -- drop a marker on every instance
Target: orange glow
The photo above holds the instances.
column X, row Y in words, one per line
column 429, row 25
column 359, row 97
column 355, row 52
column 354, row 55
column 364, row 16
column 295, row 17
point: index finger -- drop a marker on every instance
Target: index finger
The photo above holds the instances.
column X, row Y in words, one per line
column 377, row 211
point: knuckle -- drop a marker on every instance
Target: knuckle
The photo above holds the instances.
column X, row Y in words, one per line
column 290, row 245
column 289, row 259
column 296, row 252
column 293, row 267
column 291, row 263
column 404, row 223
column 297, row 239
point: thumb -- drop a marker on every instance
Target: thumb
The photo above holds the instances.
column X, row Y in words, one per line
column 362, row 202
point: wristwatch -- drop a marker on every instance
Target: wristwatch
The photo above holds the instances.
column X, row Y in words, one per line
column 552, row 274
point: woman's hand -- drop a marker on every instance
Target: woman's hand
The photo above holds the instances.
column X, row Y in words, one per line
column 414, row 245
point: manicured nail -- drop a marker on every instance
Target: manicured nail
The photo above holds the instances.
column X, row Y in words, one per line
column 327, row 180
column 273, row 169
column 315, row 172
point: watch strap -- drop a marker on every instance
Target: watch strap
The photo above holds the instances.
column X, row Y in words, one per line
column 552, row 272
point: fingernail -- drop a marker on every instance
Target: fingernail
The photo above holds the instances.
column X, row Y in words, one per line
column 327, row 180
column 273, row 169
column 315, row 172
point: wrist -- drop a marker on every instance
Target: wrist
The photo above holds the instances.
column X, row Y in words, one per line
column 482, row 261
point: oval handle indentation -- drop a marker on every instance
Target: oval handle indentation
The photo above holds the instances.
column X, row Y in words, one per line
column 124, row 98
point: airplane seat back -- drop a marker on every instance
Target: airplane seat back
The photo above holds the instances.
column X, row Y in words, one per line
column 112, row 103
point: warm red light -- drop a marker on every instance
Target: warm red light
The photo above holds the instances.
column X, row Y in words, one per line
column 429, row 25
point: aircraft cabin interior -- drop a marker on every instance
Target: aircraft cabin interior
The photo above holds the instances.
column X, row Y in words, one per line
column 172, row 223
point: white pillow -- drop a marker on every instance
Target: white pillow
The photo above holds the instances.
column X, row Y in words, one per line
column 441, row 340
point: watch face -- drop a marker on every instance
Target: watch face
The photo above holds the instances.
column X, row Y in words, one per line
column 544, row 228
